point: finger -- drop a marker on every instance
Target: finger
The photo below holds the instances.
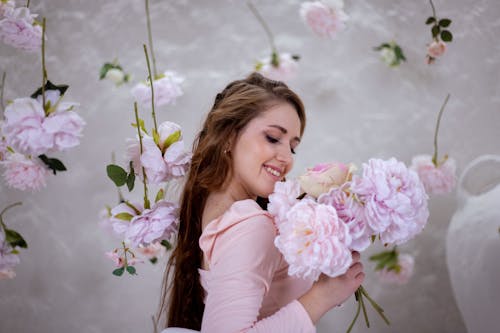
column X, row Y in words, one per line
column 355, row 269
column 355, row 256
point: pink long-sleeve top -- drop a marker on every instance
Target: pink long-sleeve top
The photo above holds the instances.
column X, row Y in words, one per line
column 247, row 287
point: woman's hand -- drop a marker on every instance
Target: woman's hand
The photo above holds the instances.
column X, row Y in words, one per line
column 328, row 292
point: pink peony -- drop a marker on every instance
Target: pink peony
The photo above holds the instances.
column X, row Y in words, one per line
column 19, row 30
column 436, row 180
column 323, row 20
column 24, row 173
column 166, row 89
column 282, row 199
column 324, row 176
column 313, row 241
column 177, row 160
column 7, row 259
column 23, row 127
column 152, row 225
column 351, row 212
column 6, row 8
column 66, row 129
column 394, row 198
column 121, row 215
column 405, row 267
column 286, row 70
column 436, row 49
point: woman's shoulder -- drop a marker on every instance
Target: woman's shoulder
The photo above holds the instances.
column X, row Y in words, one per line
column 244, row 221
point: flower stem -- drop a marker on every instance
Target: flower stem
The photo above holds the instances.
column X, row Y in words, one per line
column 124, row 254
column 44, row 70
column 1, row 91
column 146, row 200
column 264, row 25
column 363, row 307
column 6, row 209
column 357, row 294
column 28, row 4
column 435, row 156
column 433, row 10
column 150, row 38
column 152, row 88
column 374, row 304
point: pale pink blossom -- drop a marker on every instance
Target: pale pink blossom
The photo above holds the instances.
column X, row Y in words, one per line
column 167, row 88
column 23, row 127
column 19, row 30
column 324, row 176
column 177, row 160
column 152, row 160
column 285, row 70
column 66, row 129
column 153, row 250
column 400, row 275
column 394, row 198
column 8, row 273
column 436, row 179
column 119, row 260
column 436, row 49
column 24, row 173
column 7, row 259
column 6, row 8
column 313, row 241
column 121, row 215
column 322, row 19
column 351, row 212
column 282, row 199
column 152, row 225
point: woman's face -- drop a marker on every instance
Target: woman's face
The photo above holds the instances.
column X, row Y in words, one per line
column 263, row 151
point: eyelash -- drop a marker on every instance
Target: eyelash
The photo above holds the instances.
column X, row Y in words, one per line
column 272, row 140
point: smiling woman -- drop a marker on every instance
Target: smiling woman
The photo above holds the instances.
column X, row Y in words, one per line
column 225, row 274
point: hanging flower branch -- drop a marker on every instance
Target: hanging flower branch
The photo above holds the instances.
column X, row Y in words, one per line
column 278, row 66
column 438, row 175
column 35, row 126
column 440, row 35
column 18, row 27
column 324, row 19
column 391, row 54
column 167, row 86
column 10, row 243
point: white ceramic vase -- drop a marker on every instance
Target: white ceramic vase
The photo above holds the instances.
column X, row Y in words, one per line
column 473, row 245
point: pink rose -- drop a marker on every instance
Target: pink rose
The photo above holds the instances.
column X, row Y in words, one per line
column 321, row 178
column 65, row 127
column 394, row 199
column 286, row 70
column 152, row 225
column 282, row 199
column 18, row 30
column 24, row 173
column 436, row 180
column 313, row 241
column 323, row 20
column 23, row 127
column 351, row 212
column 167, row 89
column 436, row 49
column 402, row 273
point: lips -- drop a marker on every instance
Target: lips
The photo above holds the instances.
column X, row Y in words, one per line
column 273, row 170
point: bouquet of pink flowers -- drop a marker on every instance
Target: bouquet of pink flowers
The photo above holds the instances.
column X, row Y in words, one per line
column 329, row 212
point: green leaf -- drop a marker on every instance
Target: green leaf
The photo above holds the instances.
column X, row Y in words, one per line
column 124, row 216
column 131, row 180
column 444, row 22
column 160, row 195
column 172, row 138
column 131, row 270
column 166, row 243
column 275, row 60
column 50, row 86
column 399, row 53
column 430, row 20
column 296, row 57
column 104, row 70
column 117, row 174
column 53, row 163
column 446, row 36
column 15, row 239
column 153, row 260
column 119, row 271
column 156, row 137
column 258, row 66
column 381, row 255
column 141, row 125
column 435, row 31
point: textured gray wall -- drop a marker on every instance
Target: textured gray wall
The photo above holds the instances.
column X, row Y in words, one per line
column 357, row 107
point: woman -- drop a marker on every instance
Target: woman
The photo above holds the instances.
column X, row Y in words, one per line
column 225, row 274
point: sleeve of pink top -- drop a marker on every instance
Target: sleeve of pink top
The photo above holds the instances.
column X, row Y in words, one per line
column 242, row 264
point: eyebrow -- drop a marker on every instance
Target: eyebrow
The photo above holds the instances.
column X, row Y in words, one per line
column 284, row 131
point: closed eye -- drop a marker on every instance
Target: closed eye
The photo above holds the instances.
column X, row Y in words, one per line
column 273, row 140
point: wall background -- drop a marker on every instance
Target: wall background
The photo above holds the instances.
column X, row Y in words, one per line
column 357, row 108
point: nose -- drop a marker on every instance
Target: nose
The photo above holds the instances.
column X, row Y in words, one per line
column 284, row 155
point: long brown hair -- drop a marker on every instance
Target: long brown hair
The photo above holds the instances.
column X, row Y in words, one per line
column 241, row 101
